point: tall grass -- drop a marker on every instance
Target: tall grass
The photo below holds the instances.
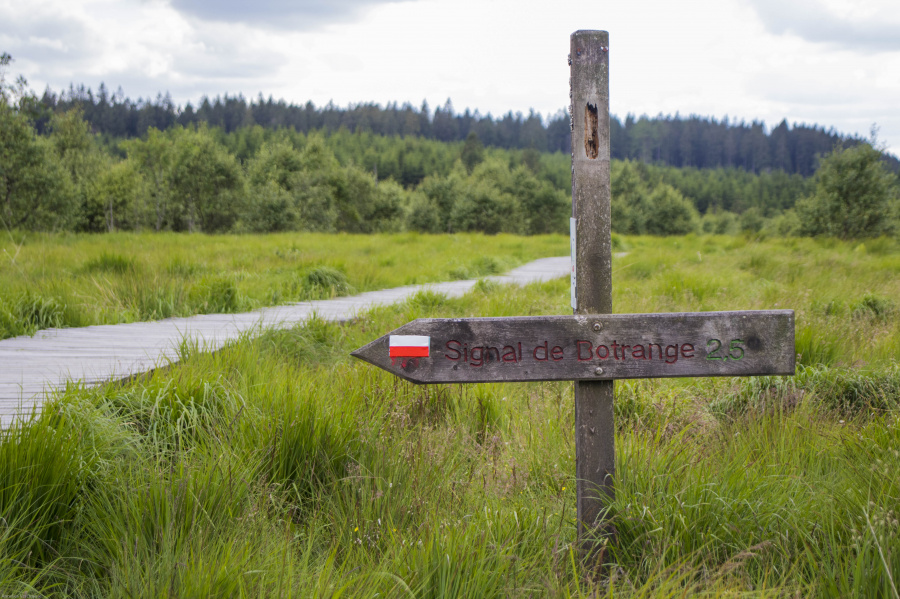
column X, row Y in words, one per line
column 76, row 280
column 278, row 466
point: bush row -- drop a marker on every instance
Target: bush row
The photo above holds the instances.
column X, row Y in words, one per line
column 201, row 179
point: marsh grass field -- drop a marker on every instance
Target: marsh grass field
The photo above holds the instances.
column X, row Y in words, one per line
column 280, row 467
column 79, row 280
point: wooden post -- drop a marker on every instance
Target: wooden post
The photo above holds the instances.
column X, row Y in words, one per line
column 592, row 346
column 594, row 426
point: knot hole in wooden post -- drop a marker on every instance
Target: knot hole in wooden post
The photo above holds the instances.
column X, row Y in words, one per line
column 591, row 131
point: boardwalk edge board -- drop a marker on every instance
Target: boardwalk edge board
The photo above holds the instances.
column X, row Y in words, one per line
column 589, row 347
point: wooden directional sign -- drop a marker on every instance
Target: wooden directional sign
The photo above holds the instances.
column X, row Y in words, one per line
column 587, row 347
column 592, row 347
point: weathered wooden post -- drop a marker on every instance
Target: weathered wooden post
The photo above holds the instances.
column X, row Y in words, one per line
column 592, row 266
column 592, row 347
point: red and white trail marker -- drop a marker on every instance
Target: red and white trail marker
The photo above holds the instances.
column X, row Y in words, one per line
column 409, row 346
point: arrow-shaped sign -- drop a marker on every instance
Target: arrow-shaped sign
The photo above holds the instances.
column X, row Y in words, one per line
column 599, row 347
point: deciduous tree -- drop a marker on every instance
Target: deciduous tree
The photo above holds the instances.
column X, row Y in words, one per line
column 855, row 196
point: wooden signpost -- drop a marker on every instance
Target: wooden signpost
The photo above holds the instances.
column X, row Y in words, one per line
column 593, row 347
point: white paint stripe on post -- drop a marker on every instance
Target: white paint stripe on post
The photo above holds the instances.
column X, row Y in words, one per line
column 573, row 227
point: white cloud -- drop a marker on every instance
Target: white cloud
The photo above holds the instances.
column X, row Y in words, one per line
column 749, row 59
column 863, row 25
column 302, row 15
column 145, row 47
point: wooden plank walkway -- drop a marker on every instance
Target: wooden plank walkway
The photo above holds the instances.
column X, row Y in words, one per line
column 33, row 367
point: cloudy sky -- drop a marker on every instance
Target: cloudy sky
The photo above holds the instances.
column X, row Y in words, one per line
column 834, row 63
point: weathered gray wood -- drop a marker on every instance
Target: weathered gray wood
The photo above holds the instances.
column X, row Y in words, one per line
column 565, row 348
column 589, row 55
column 594, row 425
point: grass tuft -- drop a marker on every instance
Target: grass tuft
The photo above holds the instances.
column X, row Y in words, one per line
column 323, row 282
column 110, row 262
column 873, row 306
column 31, row 312
column 815, row 349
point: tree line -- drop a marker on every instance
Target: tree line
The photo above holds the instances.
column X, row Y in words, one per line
column 65, row 176
column 693, row 141
column 187, row 179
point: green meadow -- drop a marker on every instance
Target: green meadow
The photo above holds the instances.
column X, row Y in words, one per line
column 279, row 466
column 71, row 280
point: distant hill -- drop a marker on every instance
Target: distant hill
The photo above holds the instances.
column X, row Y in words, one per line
column 692, row 141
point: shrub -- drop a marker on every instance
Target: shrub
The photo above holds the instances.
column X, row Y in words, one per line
column 117, row 194
column 487, row 209
column 642, row 206
column 423, row 215
column 441, row 195
column 271, row 209
column 752, row 220
column 325, row 281
column 856, row 196
column 208, row 180
column 546, row 209
column 386, row 211
column 292, row 191
column 669, row 213
column 787, row 224
column 37, row 191
column 719, row 223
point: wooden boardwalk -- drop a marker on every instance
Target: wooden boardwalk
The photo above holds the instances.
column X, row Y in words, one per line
column 33, row 367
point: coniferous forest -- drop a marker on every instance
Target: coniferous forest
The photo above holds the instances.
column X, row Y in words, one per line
column 95, row 162
column 692, row 141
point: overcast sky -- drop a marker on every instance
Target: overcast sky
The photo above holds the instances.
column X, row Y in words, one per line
column 835, row 63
